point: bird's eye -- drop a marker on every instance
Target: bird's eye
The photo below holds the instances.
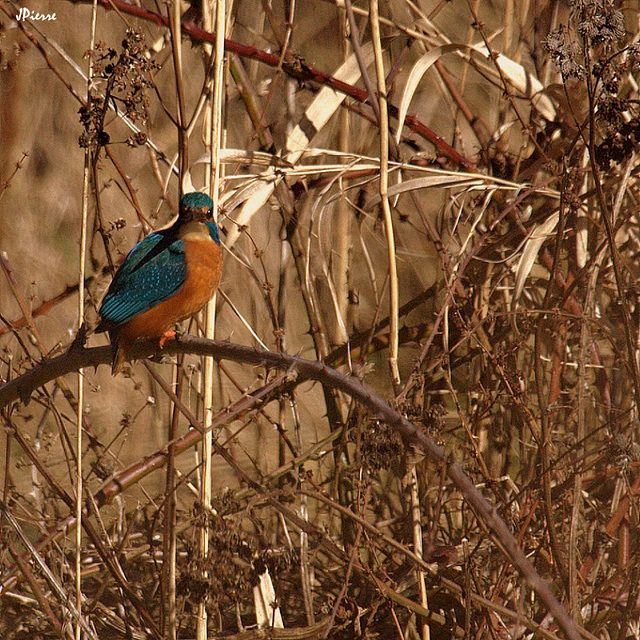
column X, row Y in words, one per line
column 210, row 213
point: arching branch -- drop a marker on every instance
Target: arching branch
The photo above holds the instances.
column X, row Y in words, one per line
column 21, row 389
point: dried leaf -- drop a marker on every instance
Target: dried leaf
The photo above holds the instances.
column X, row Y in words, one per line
column 418, row 70
column 532, row 246
column 523, row 81
column 316, row 116
column 426, row 182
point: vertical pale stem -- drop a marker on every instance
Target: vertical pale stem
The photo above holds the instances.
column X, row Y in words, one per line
column 342, row 228
column 176, row 49
column 81, row 278
column 169, row 571
column 80, row 412
column 170, row 554
column 384, row 185
column 213, row 137
column 417, row 543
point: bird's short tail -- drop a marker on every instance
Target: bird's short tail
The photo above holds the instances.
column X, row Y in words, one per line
column 118, row 356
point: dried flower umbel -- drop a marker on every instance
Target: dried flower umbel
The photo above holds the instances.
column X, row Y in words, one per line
column 565, row 53
column 585, row 49
column 598, row 22
column 126, row 77
column 382, row 447
column 236, row 559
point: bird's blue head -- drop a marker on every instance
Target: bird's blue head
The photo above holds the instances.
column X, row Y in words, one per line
column 198, row 207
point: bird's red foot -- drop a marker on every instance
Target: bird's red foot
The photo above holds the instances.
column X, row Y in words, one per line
column 167, row 335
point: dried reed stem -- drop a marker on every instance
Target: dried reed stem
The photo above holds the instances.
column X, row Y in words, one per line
column 86, row 187
column 414, row 492
column 213, row 140
column 383, row 190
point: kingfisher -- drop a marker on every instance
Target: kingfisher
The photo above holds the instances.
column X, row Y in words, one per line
column 167, row 277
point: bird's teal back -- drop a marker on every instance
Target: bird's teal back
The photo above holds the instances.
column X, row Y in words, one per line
column 153, row 271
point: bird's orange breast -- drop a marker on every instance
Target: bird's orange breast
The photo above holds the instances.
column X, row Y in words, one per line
column 204, row 268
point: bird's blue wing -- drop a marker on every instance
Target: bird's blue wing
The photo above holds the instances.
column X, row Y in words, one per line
column 153, row 271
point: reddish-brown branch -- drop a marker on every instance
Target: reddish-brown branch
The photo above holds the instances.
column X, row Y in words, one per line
column 46, row 306
column 296, row 69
